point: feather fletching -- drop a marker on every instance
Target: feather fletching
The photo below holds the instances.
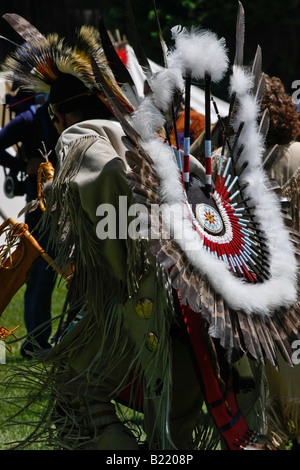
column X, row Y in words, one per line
column 240, row 36
column 23, row 27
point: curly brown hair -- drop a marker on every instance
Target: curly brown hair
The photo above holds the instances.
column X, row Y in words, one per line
column 284, row 118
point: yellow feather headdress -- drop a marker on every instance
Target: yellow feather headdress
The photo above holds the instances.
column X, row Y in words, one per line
column 40, row 60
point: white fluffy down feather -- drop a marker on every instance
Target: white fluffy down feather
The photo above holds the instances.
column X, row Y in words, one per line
column 240, row 81
column 200, row 52
column 165, row 84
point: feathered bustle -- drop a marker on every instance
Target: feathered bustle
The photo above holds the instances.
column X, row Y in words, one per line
column 244, row 315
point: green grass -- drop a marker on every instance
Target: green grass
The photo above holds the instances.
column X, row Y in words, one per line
column 13, row 316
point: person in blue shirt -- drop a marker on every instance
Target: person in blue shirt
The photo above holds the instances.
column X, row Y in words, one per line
column 33, row 129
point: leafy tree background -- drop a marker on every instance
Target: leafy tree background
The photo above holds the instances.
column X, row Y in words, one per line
column 274, row 25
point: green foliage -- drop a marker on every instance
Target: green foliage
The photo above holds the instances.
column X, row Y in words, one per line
column 9, row 397
column 273, row 25
column 12, row 317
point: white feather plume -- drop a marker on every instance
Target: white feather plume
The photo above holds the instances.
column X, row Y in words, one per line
column 164, row 84
column 148, row 119
column 200, row 52
column 241, row 82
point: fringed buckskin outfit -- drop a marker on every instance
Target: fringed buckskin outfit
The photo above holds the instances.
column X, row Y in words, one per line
column 127, row 314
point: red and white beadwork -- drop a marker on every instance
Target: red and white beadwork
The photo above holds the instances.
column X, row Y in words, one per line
column 224, row 229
